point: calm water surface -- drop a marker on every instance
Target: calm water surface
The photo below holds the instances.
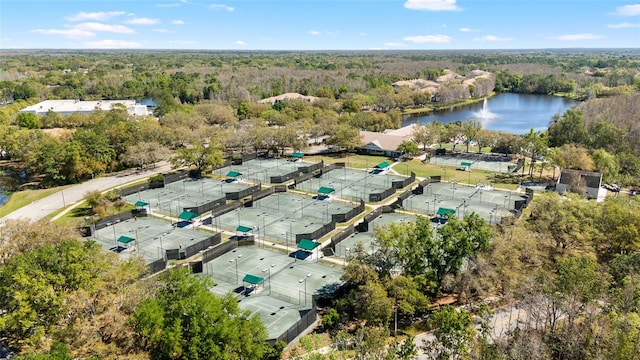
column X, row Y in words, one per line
column 514, row 113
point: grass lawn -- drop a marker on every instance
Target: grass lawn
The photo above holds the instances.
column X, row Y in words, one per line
column 22, row 198
column 76, row 216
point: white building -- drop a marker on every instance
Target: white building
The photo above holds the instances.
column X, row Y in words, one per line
column 588, row 183
column 66, row 107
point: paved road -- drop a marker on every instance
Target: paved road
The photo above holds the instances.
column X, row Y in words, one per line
column 45, row 206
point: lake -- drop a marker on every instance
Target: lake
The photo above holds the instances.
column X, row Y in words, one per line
column 514, row 113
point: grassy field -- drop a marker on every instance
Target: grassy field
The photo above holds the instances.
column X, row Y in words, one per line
column 21, row 198
column 76, row 216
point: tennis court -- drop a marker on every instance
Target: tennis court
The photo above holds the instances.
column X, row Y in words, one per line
column 279, row 297
column 147, row 237
column 262, row 169
column 279, row 217
column 367, row 238
column 352, row 183
column 187, row 193
column 492, row 205
column 495, row 163
column 282, row 279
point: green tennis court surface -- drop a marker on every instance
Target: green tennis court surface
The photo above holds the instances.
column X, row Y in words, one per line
column 285, row 288
column 281, row 216
column 262, row 169
column 352, row 183
column 151, row 236
column 492, row 205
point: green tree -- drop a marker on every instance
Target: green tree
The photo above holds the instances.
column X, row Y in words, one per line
column 607, row 164
column 534, row 144
column 200, row 156
column 345, row 137
column 453, row 331
column 187, row 321
column 35, row 287
column 455, row 241
column 408, row 147
column 470, row 130
column 28, row 120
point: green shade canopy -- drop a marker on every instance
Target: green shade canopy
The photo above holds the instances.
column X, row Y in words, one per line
column 234, row 174
column 141, row 203
column 297, row 155
column 465, row 163
column 244, row 229
column 445, row 211
column 252, row 279
column 383, row 165
column 188, row 215
column 125, row 239
column 306, row 244
column 325, row 190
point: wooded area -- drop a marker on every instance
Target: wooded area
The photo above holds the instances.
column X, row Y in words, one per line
column 571, row 264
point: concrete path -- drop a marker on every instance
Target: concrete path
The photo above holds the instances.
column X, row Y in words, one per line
column 61, row 199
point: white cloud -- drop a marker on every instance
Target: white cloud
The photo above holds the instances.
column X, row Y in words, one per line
column 170, row 5
column 314, row 32
column 70, row 33
column 465, row 29
column 628, row 10
column 428, row 39
column 431, row 5
column 112, row 44
column 240, row 42
column 177, row 22
column 99, row 15
column 162, row 31
column 363, row 34
column 112, row 28
column 142, row 21
column 221, row 7
column 493, row 38
column 623, row 25
column 394, row 44
column 577, row 37
column 182, row 42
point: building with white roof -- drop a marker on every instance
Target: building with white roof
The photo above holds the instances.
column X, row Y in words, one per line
column 66, row 107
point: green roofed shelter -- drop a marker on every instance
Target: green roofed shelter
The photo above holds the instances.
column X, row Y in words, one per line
column 383, row 165
column 234, row 174
column 244, row 229
column 306, row 244
column 188, row 215
column 141, row 203
column 465, row 163
column 445, row 212
column 297, row 155
column 325, row 190
column 125, row 239
column 252, row 279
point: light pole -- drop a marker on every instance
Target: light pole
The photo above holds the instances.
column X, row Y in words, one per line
column 346, row 256
column 268, row 271
column 304, row 280
column 235, row 261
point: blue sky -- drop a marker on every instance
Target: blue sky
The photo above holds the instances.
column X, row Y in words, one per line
column 319, row 24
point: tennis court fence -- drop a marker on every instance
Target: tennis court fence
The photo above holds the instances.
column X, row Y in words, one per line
column 308, row 319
